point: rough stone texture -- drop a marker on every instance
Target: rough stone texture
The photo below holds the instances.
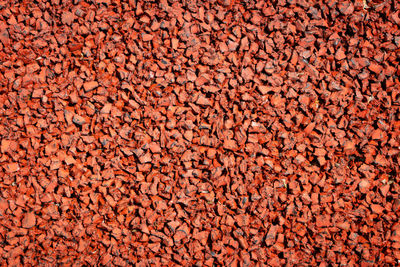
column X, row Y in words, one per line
column 199, row 133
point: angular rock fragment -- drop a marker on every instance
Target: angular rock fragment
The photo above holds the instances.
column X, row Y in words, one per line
column 29, row 220
column 89, row 86
column 78, row 120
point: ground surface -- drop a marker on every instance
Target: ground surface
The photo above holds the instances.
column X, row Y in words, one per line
column 199, row 133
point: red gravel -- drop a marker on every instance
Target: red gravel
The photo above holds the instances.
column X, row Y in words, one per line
column 199, row 133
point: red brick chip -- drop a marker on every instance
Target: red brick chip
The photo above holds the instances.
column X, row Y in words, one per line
column 199, row 133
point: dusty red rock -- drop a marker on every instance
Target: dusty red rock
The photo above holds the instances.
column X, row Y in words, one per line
column 89, row 86
column 78, row 119
column 29, row 220
column 12, row 167
column 190, row 133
